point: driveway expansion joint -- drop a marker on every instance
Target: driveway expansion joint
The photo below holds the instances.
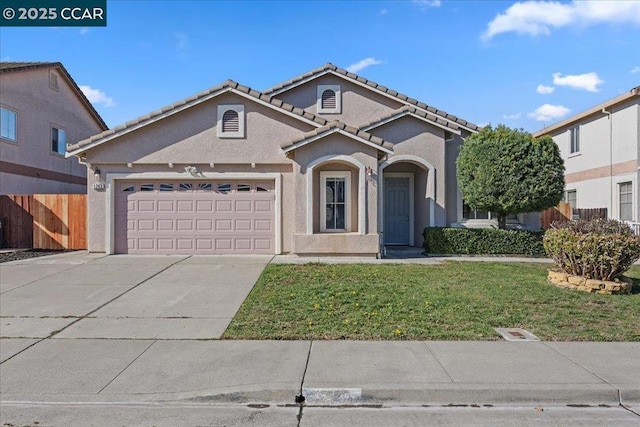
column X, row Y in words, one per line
column 116, row 297
column 125, row 368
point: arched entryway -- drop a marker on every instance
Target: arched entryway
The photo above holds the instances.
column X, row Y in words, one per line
column 406, row 199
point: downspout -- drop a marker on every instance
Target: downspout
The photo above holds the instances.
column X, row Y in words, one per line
column 604, row 111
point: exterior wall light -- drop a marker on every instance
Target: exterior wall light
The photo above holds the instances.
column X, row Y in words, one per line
column 98, row 183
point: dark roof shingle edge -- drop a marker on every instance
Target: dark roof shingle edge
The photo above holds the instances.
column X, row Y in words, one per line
column 187, row 102
column 408, row 110
column 340, row 126
column 329, row 67
column 7, row 67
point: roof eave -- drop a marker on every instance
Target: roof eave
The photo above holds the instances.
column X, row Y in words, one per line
column 395, row 117
column 74, row 86
column 183, row 107
column 594, row 110
column 324, row 72
column 276, row 92
column 322, row 135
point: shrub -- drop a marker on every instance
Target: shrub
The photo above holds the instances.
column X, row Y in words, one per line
column 505, row 171
column 483, row 241
column 600, row 249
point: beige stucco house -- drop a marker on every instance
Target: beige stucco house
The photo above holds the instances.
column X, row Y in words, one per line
column 325, row 163
column 600, row 148
column 41, row 110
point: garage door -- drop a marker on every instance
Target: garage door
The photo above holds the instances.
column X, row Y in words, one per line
column 194, row 217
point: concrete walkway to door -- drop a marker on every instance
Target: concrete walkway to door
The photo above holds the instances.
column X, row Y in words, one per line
column 82, row 295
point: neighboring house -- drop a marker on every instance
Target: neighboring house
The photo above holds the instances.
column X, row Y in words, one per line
column 327, row 162
column 600, row 148
column 41, row 110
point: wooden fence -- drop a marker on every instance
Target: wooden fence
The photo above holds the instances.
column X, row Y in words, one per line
column 44, row 221
column 563, row 213
column 590, row 214
column 560, row 213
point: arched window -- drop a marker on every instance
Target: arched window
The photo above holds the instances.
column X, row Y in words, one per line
column 230, row 121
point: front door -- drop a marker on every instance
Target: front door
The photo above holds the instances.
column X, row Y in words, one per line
column 396, row 211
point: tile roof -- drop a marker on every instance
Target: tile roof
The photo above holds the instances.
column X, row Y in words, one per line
column 337, row 126
column 9, row 67
column 189, row 101
column 344, row 73
column 408, row 110
column 25, row 65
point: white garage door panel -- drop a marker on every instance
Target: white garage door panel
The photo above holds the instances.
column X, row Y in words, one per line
column 194, row 217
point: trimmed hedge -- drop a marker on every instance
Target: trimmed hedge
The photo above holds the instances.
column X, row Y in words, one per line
column 483, row 241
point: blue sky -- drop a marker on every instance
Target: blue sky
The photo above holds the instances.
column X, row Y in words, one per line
column 525, row 64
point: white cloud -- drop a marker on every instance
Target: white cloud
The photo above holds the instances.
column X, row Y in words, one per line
column 635, row 69
column 548, row 112
column 587, row 81
column 545, row 90
column 514, row 116
column 83, row 31
column 427, row 4
column 383, row 12
column 354, row 68
column 181, row 40
column 96, row 96
column 540, row 17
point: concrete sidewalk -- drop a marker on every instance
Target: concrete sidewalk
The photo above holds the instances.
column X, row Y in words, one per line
column 329, row 373
column 83, row 327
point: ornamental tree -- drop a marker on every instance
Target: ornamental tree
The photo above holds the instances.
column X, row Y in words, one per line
column 507, row 171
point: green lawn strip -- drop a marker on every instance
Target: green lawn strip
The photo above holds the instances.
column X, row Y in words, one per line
column 454, row 301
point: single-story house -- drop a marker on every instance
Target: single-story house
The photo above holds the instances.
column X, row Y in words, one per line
column 325, row 163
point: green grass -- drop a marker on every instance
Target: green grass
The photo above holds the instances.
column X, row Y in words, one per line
column 454, row 301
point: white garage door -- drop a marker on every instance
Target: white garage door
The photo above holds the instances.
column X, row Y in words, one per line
column 162, row 217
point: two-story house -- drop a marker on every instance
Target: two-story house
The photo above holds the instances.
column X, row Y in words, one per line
column 601, row 148
column 41, row 110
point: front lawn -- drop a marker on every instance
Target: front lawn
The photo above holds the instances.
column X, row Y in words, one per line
column 454, row 301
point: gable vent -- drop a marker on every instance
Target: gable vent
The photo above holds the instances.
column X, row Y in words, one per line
column 328, row 99
column 230, row 121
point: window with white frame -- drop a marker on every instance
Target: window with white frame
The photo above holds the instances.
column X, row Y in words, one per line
column 571, row 197
column 58, row 141
column 230, row 121
column 574, row 140
column 626, row 203
column 470, row 213
column 8, row 121
column 329, row 99
column 334, row 201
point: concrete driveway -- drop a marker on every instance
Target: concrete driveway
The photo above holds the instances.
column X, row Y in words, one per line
column 81, row 295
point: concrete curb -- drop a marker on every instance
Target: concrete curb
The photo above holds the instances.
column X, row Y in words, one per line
column 441, row 395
